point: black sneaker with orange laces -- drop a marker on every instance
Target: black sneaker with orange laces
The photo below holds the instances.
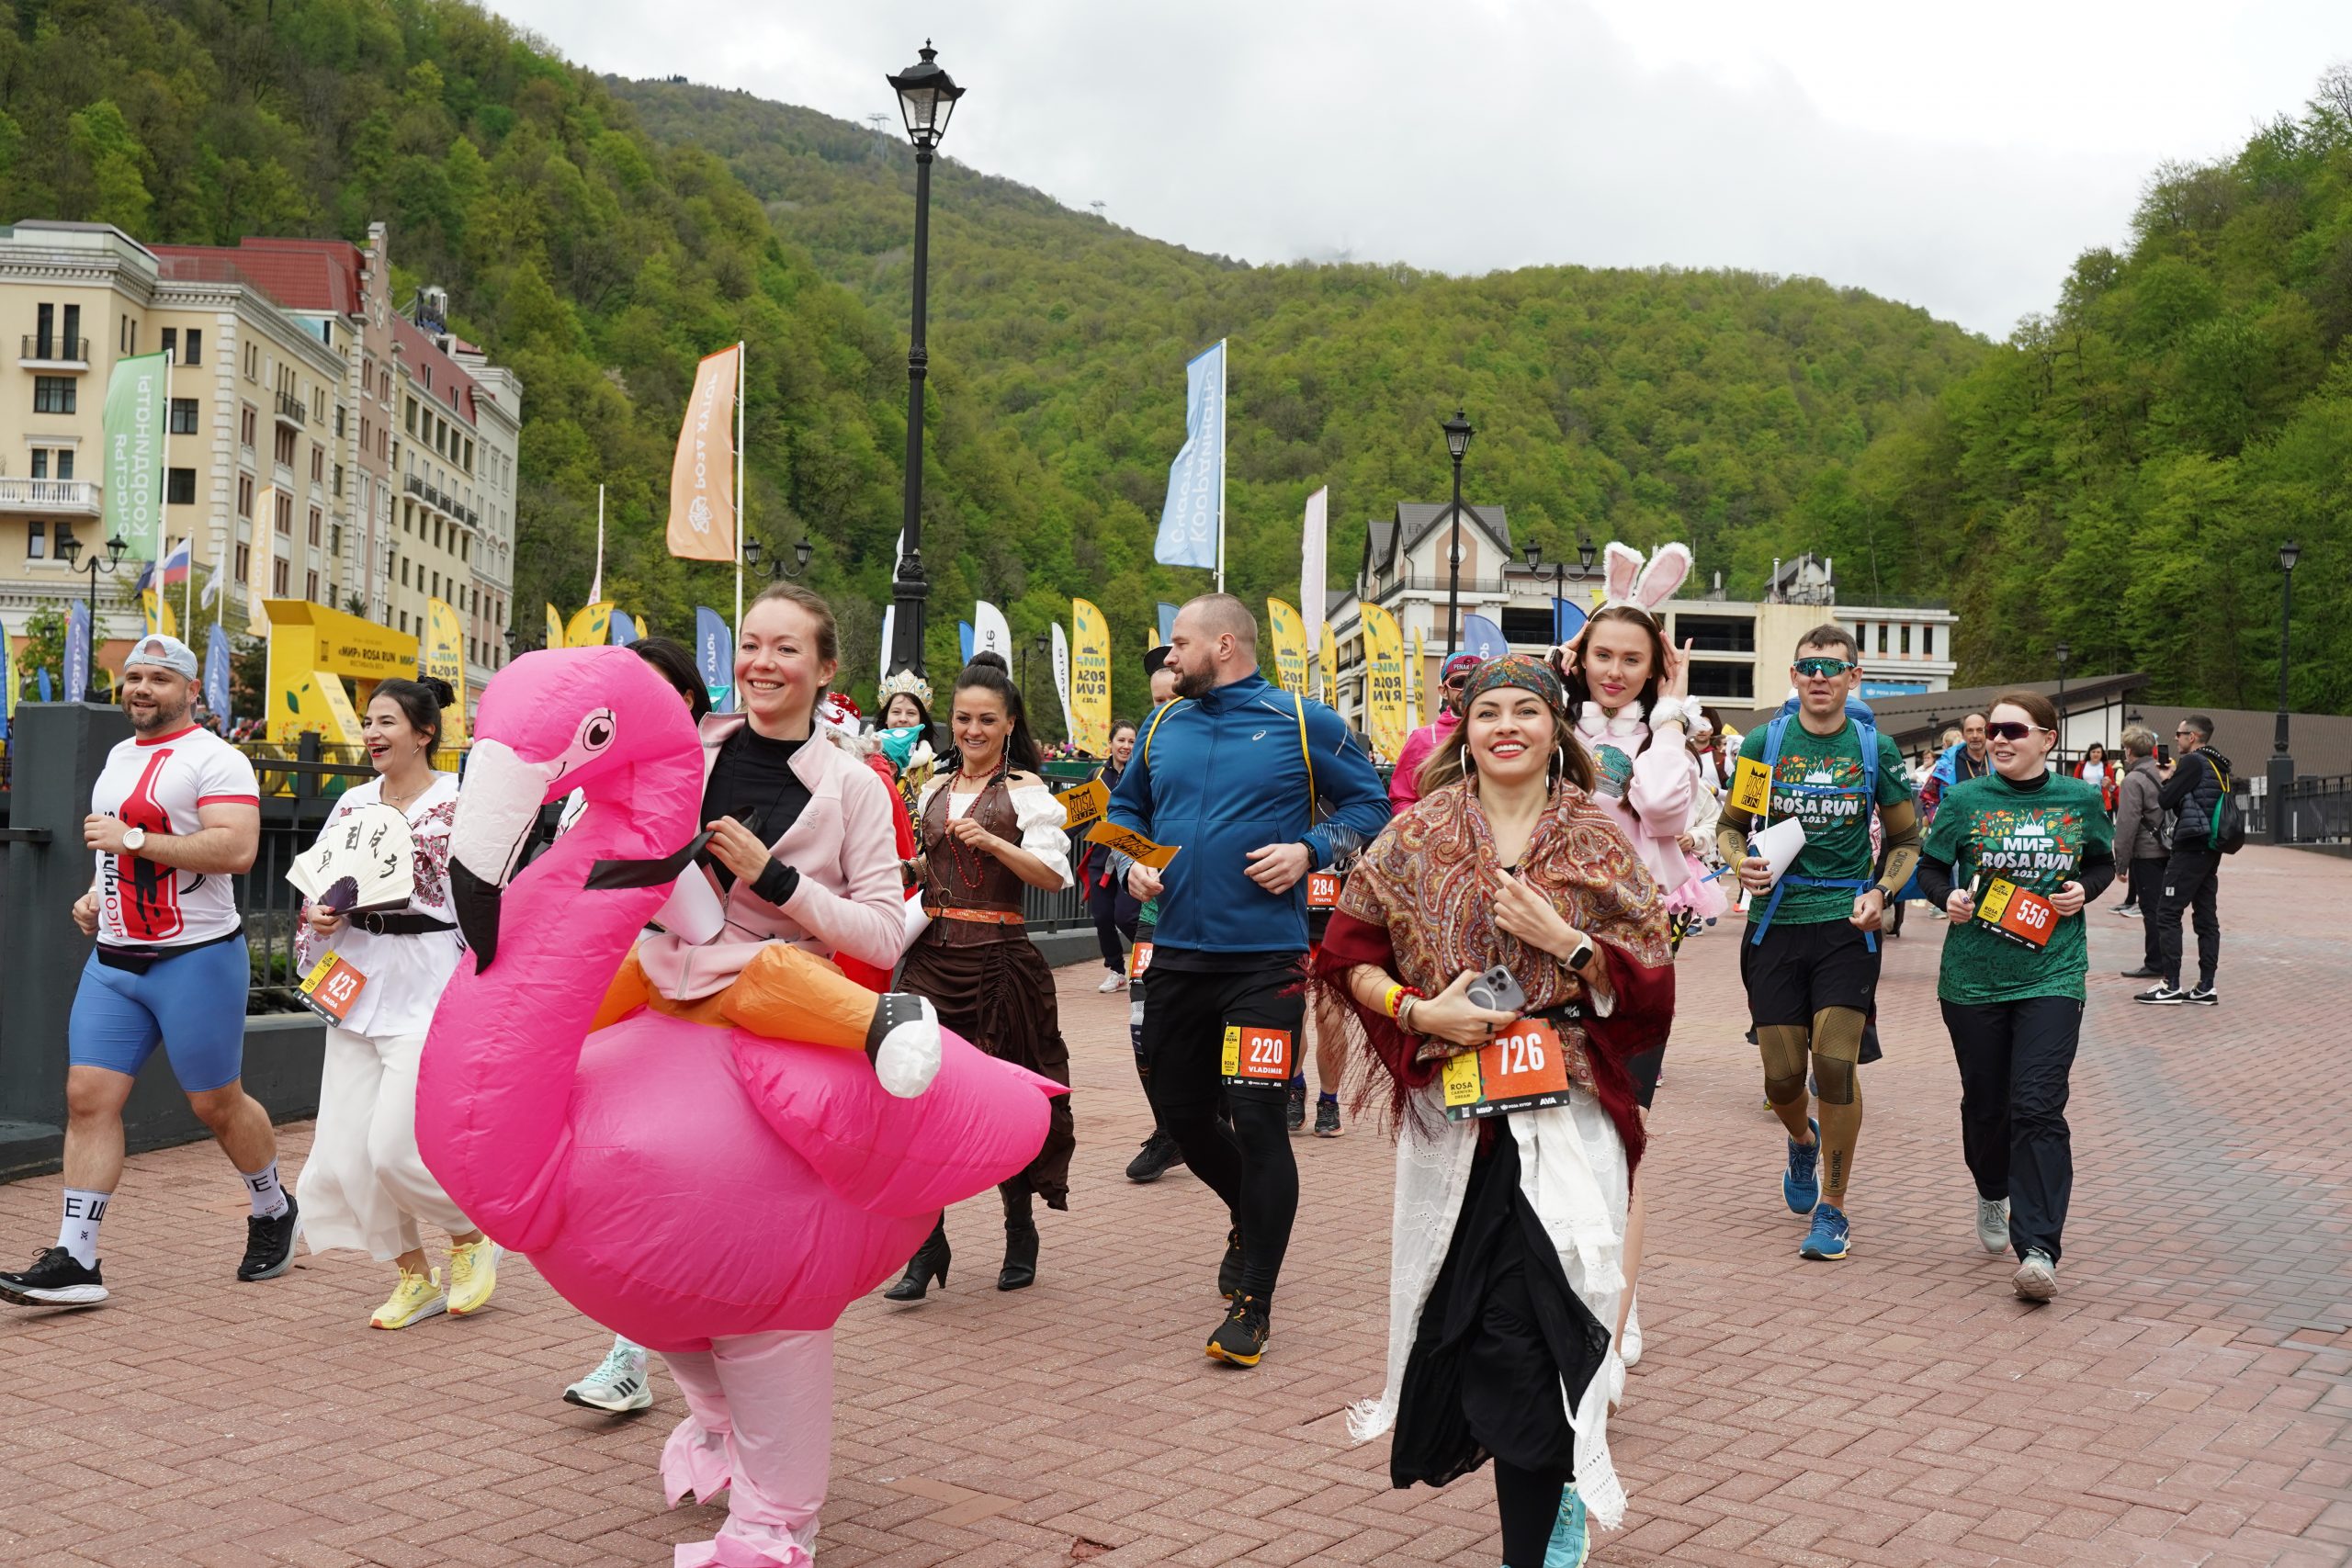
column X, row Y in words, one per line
column 1240, row 1339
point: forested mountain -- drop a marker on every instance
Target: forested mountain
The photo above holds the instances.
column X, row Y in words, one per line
column 1644, row 405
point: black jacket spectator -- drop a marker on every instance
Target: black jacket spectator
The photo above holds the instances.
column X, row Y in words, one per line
column 2194, row 792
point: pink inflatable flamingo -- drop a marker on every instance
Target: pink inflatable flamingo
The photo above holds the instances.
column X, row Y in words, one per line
column 711, row 1194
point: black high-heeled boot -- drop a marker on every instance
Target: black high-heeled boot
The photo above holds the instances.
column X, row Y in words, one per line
column 1020, row 1271
column 929, row 1263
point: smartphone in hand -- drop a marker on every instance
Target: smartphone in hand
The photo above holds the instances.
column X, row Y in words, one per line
column 1497, row 990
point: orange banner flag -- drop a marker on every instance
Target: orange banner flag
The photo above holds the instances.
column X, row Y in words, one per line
column 702, row 478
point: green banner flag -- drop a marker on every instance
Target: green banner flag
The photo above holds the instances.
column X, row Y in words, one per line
column 138, row 401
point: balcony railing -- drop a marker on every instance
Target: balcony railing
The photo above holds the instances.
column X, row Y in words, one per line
column 55, row 349
column 292, row 411
column 50, row 498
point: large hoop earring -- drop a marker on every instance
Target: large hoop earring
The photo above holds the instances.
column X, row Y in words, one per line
column 1559, row 763
column 1469, row 763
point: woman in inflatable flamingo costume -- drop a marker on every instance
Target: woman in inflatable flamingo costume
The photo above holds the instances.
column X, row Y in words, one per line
column 710, row 1193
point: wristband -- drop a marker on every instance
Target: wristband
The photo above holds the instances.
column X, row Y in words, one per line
column 1670, row 710
column 1392, row 999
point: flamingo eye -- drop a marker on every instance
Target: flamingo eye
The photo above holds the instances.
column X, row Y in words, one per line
column 596, row 731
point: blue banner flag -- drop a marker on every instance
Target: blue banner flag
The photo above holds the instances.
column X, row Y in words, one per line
column 1483, row 637
column 8, row 682
column 1192, row 521
column 711, row 645
column 624, row 630
column 1166, row 623
column 964, row 638
column 1566, row 621
column 77, row 653
column 216, row 674
column 46, row 694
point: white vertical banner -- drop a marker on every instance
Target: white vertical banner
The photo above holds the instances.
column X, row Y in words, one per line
column 1312, row 567
column 1191, row 520
column 1061, row 676
column 889, row 630
column 990, row 633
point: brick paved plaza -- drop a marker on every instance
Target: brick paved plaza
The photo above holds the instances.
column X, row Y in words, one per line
column 2186, row 1400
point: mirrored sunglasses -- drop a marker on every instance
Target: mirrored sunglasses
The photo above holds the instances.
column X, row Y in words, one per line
column 1822, row 668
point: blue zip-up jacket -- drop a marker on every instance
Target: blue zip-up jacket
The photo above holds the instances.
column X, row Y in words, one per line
column 1224, row 775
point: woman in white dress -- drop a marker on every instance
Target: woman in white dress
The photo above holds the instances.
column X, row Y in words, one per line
column 364, row 1187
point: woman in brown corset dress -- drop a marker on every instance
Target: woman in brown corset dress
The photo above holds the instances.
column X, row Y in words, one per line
column 985, row 830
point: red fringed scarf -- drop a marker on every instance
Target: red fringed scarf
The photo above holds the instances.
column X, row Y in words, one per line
column 1421, row 907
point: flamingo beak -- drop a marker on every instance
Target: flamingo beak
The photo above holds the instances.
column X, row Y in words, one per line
column 498, row 803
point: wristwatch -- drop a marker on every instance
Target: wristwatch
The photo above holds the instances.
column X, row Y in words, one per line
column 133, row 840
column 1582, row 956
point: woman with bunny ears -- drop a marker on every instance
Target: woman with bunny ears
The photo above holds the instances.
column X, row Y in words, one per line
column 1630, row 693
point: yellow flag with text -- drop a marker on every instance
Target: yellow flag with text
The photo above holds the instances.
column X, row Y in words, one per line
column 1328, row 657
column 702, row 474
column 443, row 654
column 554, row 628
column 1290, row 646
column 591, row 627
column 157, row 608
column 1090, row 678
column 1383, row 657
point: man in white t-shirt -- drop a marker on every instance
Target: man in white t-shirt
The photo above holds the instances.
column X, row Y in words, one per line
column 175, row 815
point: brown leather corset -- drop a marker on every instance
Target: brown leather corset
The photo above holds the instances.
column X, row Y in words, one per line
column 948, row 880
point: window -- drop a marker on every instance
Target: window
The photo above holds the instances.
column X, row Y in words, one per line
column 1717, row 634
column 44, row 330
column 338, row 482
column 470, row 456
column 318, row 528
column 1881, row 637
column 403, row 620
column 65, row 462
column 284, row 448
column 253, row 366
column 37, row 534
column 410, row 416
column 318, row 464
column 1709, row 679
column 436, row 534
column 338, row 421
column 1907, row 642
column 183, row 416
column 285, row 510
column 310, row 586
column 194, row 342
column 1927, row 642
column 403, row 577
column 53, row 394
column 334, row 539
column 244, row 498
column 277, row 574
column 74, row 347
column 244, row 563
column 40, row 462
column 171, row 343
column 179, row 487
column 245, row 428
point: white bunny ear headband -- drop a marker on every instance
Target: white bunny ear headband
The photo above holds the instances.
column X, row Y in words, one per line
column 1645, row 587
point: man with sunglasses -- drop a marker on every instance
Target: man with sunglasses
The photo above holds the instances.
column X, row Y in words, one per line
column 2193, row 789
column 1809, row 958
column 1404, row 783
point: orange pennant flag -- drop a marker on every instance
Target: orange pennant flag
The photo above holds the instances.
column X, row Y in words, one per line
column 702, row 478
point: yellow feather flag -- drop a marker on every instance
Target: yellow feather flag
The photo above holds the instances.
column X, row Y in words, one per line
column 1417, row 683
column 1090, row 678
column 158, row 611
column 1290, row 646
column 554, row 628
column 1384, row 656
column 591, row 627
column 445, row 655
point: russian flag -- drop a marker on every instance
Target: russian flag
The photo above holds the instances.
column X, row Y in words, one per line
column 174, row 566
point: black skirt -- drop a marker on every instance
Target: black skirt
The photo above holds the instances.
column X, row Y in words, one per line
column 1500, row 1335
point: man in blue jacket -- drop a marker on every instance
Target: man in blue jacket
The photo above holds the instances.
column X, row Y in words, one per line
column 1228, row 774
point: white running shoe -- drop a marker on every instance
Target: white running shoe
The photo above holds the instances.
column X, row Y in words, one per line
column 617, row 1386
column 1631, row 1350
column 1112, row 982
column 2036, row 1279
column 1992, row 1224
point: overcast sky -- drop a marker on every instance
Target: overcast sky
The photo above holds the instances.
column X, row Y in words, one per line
column 1956, row 156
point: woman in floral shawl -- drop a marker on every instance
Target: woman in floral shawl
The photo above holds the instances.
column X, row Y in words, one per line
column 1508, row 1228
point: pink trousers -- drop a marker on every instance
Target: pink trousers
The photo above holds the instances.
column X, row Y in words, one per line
column 760, row 1426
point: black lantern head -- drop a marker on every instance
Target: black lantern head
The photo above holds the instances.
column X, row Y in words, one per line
column 2063, row 654
column 1458, row 431
column 69, row 547
column 801, row 552
column 1534, row 555
column 2289, row 553
column 927, row 97
column 751, row 552
column 115, row 546
column 1585, row 553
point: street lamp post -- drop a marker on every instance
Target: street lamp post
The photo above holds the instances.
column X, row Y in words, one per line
column 1561, row 574
column 754, row 552
column 2282, row 766
column 927, row 97
column 1458, row 431
column 72, row 547
column 2063, row 654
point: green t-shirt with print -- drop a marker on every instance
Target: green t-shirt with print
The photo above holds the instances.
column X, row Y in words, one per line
column 2037, row 838
column 1819, row 780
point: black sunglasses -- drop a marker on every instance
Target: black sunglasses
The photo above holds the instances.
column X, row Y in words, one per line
column 2013, row 731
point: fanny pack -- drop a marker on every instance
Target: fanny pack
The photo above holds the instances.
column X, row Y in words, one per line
column 139, row 960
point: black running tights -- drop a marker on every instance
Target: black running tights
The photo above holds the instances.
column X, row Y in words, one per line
column 1530, row 1508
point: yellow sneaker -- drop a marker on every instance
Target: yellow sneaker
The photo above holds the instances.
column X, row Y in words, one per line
column 473, row 1274
column 418, row 1297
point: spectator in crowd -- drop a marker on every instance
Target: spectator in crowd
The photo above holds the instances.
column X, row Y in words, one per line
column 2141, row 843
column 2194, row 788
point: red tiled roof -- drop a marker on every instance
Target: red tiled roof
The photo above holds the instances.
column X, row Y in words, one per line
column 301, row 274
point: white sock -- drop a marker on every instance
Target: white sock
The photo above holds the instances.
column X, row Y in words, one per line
column 78, row 1233
column 268, row 1197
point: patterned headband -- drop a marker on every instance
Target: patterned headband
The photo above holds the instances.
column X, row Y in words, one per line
column 1517, row 670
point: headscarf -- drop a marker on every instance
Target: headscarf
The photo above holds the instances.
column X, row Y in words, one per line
column 1519, row 670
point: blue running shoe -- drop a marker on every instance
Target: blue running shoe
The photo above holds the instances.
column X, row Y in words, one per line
column 1571, row 1540
column 1826, row 1241
column 1802, row 1184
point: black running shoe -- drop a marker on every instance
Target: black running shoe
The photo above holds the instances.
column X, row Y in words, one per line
column 54, row 1279
column 1158, row 1152
column 1295, row 1104
column 2200, row 996
column 1228, row 1271
column 1326, row 1119
column 269, row 1243
column 1240, row 1339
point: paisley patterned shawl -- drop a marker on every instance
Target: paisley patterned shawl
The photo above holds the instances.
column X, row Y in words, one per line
column 1420, row 906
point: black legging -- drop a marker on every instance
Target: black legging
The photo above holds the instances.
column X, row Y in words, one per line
column 1530, row 1506
column 1114, row 911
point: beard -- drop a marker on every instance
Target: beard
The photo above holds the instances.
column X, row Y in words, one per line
column 1196, row 682
column 165, row 717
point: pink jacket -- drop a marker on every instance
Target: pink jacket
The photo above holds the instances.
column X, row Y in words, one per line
column 1648, row 793
column 1404, row 783
column 849, row 902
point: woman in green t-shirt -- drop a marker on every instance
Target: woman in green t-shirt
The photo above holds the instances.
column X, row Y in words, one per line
column 2013, row 857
